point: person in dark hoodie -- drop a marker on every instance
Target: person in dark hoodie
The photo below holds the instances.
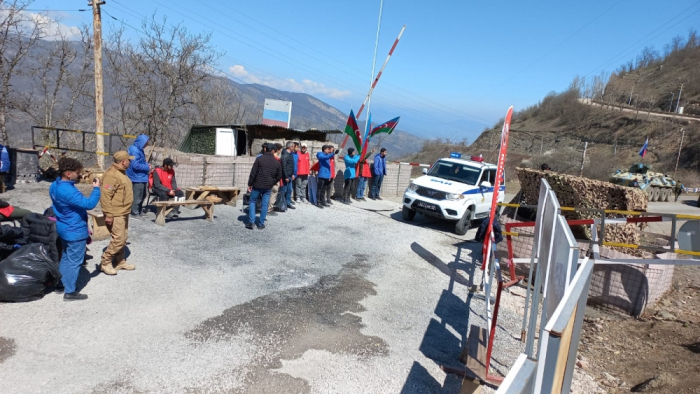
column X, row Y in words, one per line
column 266, row 172
column 70, row 208
column 138, row 173
column 288, row 170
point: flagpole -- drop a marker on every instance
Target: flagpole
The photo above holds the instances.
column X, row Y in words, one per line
column 374, row 63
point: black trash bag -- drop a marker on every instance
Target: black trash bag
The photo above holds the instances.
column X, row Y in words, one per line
column 9, row 237
column 26, row 273
column 281, row 203
column 481, row 232
column 246, row 201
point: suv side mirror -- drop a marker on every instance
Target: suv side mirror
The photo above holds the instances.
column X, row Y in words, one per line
column 425, row 171
column 485, row 184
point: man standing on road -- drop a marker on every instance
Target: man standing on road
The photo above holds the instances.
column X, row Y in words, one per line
column 266, row 173
column 116, row 200
column 295, row 154
column 678, row 189
column 70, row 208
column 303, row 165
column 378, row 173
column 288, row 173
column 324, row 173
column 349, row 174
column 138, row 173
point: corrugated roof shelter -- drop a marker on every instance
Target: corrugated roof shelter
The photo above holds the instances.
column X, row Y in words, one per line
column 236, row 140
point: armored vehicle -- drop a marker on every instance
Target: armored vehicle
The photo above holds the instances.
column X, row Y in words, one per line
column 657, row 186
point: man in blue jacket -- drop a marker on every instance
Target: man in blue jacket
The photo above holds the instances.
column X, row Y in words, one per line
column 324, row 174
column 350, row 177
column 378, row 172
column 70, row 208
column 4, row 167
column 138, row 173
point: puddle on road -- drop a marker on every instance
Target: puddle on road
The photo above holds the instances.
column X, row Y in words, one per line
column 7, row 348
column 287, row 323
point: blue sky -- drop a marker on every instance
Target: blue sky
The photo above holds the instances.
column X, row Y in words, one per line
column 459, row 64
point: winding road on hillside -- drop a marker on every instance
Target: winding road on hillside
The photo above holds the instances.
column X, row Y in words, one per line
column 588, row 101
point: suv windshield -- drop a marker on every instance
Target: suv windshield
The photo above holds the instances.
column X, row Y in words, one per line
column 455, row 172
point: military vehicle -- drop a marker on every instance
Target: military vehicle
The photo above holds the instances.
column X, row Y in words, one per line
column 657, row 186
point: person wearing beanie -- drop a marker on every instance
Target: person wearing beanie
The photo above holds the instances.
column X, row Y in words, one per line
column 349, row 174
column 70, row 208
column 378, row 173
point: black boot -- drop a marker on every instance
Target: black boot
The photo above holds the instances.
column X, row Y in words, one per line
column 75, row 296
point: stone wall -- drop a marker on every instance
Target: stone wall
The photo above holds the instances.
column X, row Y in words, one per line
column 197, row 170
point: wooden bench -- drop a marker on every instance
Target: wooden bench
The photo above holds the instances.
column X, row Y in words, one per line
column 165, row 207
column 228, row 195
column 97, row 224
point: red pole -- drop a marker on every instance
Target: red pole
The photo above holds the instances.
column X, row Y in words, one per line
column 493, row 334
column 376, row 79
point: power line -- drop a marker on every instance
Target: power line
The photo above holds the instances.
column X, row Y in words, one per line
column 454, row 112
column 45, row 10
column 546, row 53
column 381, row 99
column 634, row 46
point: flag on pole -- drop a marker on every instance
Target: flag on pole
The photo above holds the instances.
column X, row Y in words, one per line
column 387, row 127
column 643, row 151
column 353, row 130
column 365, row 141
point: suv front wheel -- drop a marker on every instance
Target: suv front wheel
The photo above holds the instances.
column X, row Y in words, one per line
column 463, row 224
column 408, row 214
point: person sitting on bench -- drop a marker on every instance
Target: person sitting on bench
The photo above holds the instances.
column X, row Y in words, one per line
column 165, row 186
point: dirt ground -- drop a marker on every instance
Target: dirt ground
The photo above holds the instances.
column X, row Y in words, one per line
column 658, row 353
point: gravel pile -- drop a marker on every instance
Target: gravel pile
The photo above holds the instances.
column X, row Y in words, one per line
column 332, row 300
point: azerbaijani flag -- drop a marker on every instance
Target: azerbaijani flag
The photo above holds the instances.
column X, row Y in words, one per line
column 387, row 127
column 363, row 150
column 643, row 151
column 353, row 130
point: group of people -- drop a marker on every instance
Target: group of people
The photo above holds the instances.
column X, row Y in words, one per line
column 278, row 170
column 285, row 170
column 120, row 193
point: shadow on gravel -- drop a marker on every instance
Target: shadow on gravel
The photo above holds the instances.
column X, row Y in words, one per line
column 690, row 203
column 7, row 348
column 285, row 324
column 439, row 343
column 433, row 224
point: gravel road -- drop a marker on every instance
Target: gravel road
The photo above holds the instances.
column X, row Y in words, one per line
column 332, row 300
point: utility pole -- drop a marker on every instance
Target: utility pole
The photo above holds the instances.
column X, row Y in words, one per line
column 99, row 92
column 670, row 106
column 678, row 103
column 583, row 159
column 679, row 152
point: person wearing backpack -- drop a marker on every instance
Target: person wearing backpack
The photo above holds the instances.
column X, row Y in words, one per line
column 163, row 183
column 70, row 208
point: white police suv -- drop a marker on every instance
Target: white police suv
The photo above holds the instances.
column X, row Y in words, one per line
column 454, row 189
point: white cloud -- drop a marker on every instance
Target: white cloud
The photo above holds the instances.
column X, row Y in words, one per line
column 49, row 24
column 305, row 86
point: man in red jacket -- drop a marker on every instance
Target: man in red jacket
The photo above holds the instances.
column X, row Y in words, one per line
column 302, row 179
column 165, row 185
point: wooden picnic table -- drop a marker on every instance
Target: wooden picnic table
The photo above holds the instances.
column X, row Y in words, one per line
column 228, row 195
column 98, row 227
column 165, row 207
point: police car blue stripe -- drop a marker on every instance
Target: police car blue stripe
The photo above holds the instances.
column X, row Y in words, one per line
column 479, row 191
